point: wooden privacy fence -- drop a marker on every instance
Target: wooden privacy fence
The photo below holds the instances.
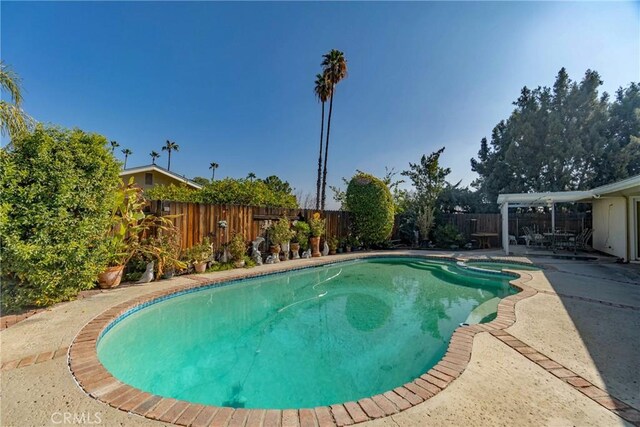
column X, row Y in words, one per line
column 196, row 221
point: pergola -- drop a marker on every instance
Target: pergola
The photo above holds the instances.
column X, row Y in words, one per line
column 627, row 190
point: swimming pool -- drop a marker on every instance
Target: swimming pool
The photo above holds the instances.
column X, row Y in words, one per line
column 313, row 337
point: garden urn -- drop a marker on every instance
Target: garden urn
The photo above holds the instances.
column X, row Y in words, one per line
column 295, row 250
column 315, row 247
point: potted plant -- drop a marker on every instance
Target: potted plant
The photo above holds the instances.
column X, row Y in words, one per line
column 316, row 225
column 333, row 245
column 281, row 235
column 199, row 255
column 237, row 249
column 300, row 239
column 165, row 250
column 125, row 237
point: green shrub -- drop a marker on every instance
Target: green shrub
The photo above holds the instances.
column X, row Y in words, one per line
column 447, row 235
column 371, row 206
column 174, row 193
column 302, row 232
column 228, row 192
column 57, row 193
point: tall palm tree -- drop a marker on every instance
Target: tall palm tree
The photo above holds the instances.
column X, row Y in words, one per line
column 126, row 153
column 114, row 145
column 213, row 166
column 13, row 121
column 154, row 155
column 322, row 91
column 170, row 146
column 334, row 66
column 251, row 176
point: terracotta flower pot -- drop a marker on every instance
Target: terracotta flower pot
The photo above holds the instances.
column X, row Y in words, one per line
column 315, row 247
column 111, row 277
column 239, row 264
column 200, row 267
column 295, row 250
column 275, row 251
column 332, row 251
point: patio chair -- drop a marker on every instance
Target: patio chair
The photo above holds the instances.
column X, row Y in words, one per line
column 531, row 238
column 581, row 240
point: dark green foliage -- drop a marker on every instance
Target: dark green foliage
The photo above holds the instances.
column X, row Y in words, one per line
column 429, row 181
column 57, row 192
column 371, row 207
column 563, row 138
column 230, row 191
column 446, row 235
column 174, row 193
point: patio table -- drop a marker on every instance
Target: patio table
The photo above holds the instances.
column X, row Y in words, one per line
column 484, row 239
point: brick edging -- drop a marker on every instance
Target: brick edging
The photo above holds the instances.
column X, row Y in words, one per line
column 93, row 378
column 578, row 382
column 34, row 359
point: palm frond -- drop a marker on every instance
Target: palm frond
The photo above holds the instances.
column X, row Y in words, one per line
column 11, row 82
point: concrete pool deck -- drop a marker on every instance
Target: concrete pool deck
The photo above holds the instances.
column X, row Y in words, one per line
column 585, row 317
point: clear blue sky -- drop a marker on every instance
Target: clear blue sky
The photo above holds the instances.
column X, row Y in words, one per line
column 233, row 82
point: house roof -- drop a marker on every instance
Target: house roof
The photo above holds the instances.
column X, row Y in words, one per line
column 156, row 168
column 629, row 186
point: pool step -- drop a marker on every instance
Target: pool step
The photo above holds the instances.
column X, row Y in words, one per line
column 483, row 310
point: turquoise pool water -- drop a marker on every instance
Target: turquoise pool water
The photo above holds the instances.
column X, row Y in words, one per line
column 313, row 337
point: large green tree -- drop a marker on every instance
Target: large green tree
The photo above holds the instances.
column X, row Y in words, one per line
column 57, row 192
column 565, row 137
column 429, row 181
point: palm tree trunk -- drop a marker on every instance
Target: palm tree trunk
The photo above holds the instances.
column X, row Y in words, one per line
column 213, row 174
column 169, row 161
column 125, row 161
column 320, row 161
column 326, row 150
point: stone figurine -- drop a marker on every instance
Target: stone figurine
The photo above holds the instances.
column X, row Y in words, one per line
column 271, row 259
column 325, row 249
column 147, row 276
column 256, row 255
column 306, row 254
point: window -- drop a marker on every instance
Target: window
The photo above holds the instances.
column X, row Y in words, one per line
column 148, row 178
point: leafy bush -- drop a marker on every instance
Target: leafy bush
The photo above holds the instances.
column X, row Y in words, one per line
column 447, row 235
column 316, row 225
column 280, row 232
column 302, row 232
column 229, row 192
column 371, row 206
column 174, row 193
column 57, row 190
column 237, row 247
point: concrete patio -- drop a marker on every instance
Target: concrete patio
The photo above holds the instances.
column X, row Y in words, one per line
column 585, row 317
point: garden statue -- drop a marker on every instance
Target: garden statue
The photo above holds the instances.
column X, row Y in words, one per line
column 271, row 259
column 255, row 252
column 147, row 276
column 306, row 254
column 325, row 249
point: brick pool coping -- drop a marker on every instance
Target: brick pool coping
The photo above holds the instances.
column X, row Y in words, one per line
column 97, row 382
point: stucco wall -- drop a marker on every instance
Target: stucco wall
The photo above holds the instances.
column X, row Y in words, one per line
column 610, row 226
column 158, row 179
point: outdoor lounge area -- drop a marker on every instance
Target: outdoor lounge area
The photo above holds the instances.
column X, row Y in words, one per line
column 615, row 216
